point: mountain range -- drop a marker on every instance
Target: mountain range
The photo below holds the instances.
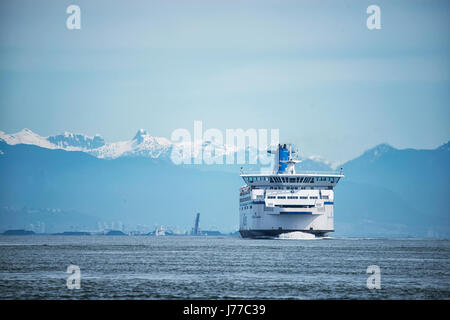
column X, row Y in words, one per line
column 142, row 144
column 73, row 181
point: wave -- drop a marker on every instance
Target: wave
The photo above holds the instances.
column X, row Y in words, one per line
column 297, row 235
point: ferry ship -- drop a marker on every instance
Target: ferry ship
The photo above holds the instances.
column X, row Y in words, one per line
column 284, row 201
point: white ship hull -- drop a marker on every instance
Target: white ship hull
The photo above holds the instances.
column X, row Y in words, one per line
column 302, row 212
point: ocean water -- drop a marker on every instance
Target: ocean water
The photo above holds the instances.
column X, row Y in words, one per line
column 121, row 267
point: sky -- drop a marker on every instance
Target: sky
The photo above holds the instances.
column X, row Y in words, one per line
column 311, row 69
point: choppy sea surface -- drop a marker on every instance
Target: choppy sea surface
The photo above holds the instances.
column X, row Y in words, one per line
column 123, row 267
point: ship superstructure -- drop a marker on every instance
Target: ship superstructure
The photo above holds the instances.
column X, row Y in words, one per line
column 284, row 201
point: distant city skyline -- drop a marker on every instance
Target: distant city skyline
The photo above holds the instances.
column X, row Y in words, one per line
column 311, row 69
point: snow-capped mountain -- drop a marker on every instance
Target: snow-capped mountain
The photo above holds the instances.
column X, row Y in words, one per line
column 145, row 145
column 26, row 136
column 66, row 141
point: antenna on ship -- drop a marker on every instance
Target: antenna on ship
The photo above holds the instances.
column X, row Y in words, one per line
column 290, row 163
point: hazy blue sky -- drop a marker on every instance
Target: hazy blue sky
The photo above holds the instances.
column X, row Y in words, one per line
column 310, row 68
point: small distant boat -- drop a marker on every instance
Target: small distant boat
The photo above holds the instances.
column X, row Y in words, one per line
column 160, row 231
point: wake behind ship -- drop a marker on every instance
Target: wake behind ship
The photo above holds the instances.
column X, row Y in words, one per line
column 284, row 201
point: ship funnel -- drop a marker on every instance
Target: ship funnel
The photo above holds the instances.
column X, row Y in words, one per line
column 284, row 163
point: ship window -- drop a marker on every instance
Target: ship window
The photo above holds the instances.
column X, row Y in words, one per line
column 312, row 180
column 337, row 180
column 303, row 197
column 271, row 180
column 313, row 197
column 291, row 179
column 325, row 197
column 281, row 197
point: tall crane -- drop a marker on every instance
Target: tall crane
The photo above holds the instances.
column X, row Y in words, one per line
column 196, row 229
